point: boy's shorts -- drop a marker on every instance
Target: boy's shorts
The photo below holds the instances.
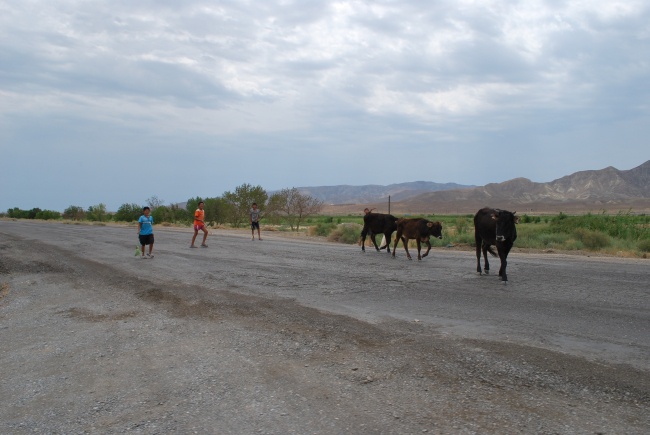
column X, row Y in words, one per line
column 146, row 240
column 255, row 225
column 198, row 227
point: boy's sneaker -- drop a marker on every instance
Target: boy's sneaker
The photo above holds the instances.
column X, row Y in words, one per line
column 204, row 245
column 143, row 257
column 149, row 256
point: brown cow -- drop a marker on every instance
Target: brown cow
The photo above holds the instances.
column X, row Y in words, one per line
column 420, row 230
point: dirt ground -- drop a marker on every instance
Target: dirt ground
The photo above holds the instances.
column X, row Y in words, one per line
column 298, row 336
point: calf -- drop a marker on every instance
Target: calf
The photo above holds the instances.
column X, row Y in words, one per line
column 420, row 230
column 378, row 223
column 494, row 227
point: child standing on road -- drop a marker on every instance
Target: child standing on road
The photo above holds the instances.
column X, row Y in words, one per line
column 145, row 231
column 255, row 221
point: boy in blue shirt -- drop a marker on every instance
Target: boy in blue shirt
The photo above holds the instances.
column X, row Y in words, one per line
column 145, row 231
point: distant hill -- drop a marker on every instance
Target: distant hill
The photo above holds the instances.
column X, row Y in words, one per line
column 607, row 189
column 345, row 194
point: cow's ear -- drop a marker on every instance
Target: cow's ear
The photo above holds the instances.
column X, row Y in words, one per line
column 516, row 219
column 494, row 216
column 429, row 224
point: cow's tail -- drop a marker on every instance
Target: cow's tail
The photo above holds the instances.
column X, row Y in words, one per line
column 491, row 251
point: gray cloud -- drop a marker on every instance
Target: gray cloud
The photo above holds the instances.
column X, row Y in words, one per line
column 257, row 89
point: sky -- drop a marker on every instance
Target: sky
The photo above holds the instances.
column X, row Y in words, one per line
column 114, row 102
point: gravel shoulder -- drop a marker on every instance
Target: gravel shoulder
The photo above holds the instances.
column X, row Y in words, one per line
column 288, row 336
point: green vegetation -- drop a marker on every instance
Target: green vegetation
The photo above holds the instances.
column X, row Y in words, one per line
column 347, row 233
column 288, row 210
column 287, row 207
column 609, row 234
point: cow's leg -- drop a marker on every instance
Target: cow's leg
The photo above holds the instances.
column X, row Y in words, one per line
column 428, row 242
column 405, row 242
column 486, row 267
column 373, row 237
column 417, row 241
column 398, row 236
column 479, row 244
column 503, row 256
column 364, row 232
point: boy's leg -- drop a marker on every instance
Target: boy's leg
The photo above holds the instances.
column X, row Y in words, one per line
column 196, row 232
column 205, row 235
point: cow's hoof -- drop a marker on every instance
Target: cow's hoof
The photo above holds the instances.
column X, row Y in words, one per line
column 486, row 271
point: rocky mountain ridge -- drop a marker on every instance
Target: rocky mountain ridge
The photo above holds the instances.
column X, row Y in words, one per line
column 607, row 189
column 346, row 194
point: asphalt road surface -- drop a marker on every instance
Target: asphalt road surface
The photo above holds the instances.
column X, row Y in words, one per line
column 296, row 335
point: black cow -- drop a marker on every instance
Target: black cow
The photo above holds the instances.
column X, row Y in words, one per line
column 420, row 230
column 378, row 223
column 494, row 227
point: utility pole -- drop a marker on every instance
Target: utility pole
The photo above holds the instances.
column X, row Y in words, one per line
column 388, row 204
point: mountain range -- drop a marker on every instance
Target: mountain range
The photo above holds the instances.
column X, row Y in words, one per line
column 609, row 190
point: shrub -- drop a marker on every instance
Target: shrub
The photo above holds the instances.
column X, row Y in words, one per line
column 462, row 225
column 48, row 215
column 592, row 240
column 644, row 245
column 321, row 229
column 345, row 233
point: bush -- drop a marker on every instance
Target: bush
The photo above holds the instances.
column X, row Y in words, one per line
column 592, row 240
column 345, row 233
column 321, row 229
column 48, row 215
column 128, row 213
column 644, row 245
column 463, row 225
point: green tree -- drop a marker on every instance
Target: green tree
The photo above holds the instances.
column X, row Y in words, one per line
column 17, row 213
column 240, row 202
column 97, row 213
column 192, row 204
column 293, row 206
column 154, row 202
column 74, row 212
column 217, row 211
column 48, row 215
column 128, row 213
column 172, row 214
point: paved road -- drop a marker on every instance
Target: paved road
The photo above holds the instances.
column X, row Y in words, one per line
column 598, row 308
column 294, row 336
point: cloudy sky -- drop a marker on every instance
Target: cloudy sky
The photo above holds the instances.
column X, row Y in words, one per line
column 117, row 101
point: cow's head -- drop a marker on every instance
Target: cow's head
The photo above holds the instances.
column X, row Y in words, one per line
column 505, row 228
column 435, row 229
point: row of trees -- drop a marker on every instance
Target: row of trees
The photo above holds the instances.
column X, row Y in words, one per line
column 288, row 206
